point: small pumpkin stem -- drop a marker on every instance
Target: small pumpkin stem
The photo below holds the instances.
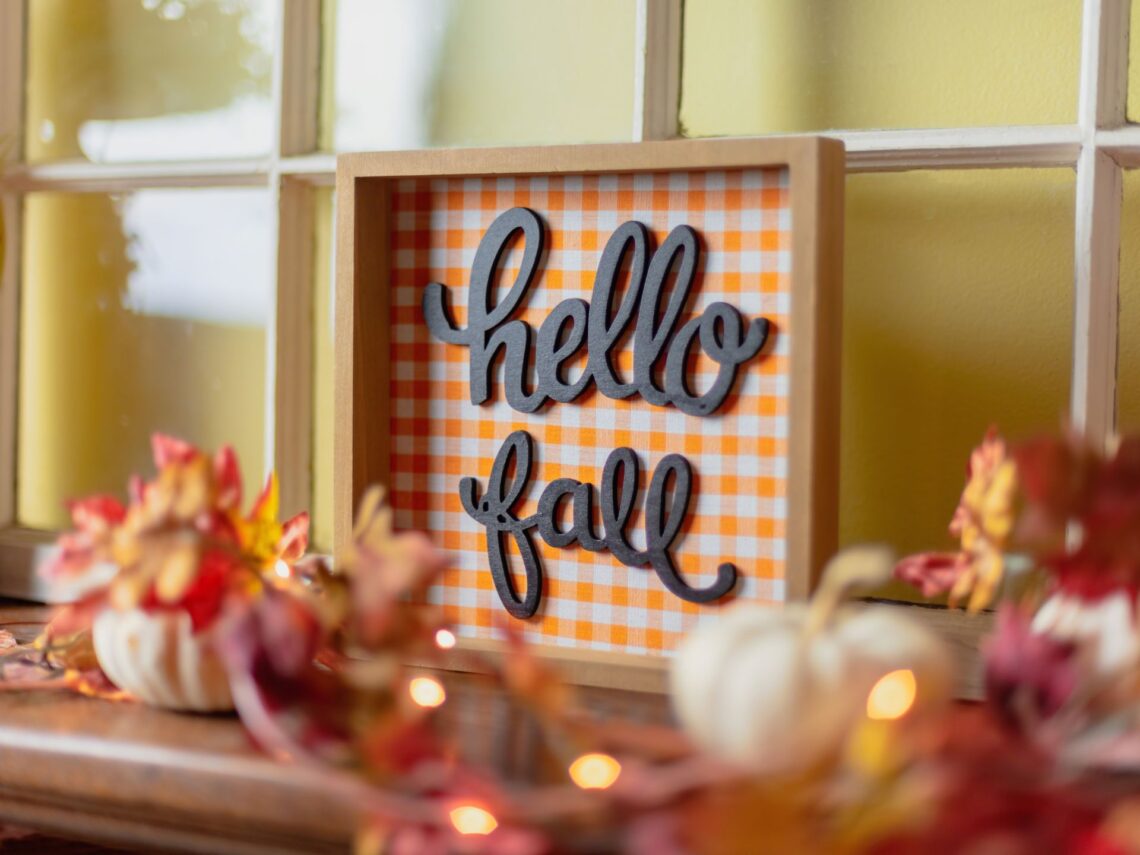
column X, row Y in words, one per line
column 857, row 568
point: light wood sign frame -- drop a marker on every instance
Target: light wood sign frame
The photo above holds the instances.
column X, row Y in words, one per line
column 427, row 404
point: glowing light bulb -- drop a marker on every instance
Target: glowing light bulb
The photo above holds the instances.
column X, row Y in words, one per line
column 469, row 819
column 427, row 692
column 594, row 771
column 282, row 569
column 444, row 639
column 892, row 696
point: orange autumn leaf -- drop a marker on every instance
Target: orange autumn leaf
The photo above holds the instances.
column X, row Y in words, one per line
column 159, row 541
column 983, row 523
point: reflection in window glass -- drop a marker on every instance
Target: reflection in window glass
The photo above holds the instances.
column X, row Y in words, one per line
column 957, row 316
column 323, row 419
column 139, row 313
column 147, row 80
column 758, row 66
column 416, row 73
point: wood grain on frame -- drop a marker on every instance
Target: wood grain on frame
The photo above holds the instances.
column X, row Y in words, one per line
column 816, row 169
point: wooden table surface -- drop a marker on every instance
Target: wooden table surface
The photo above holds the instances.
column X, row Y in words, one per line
column 124, row 774
column 128, row 775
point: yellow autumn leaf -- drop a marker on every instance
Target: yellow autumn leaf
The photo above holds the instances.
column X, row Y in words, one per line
column 177, row 571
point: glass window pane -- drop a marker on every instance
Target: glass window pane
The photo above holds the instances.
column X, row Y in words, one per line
column 416, row 73
column 139, row 313
column 146, row 80
column 1128, row 366
column 323, row 412
column 759, row 66
column 1134, row 64
column 957, row 316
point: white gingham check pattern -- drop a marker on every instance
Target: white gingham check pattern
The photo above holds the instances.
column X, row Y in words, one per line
column 739, row 454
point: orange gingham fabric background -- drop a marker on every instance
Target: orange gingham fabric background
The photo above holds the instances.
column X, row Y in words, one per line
column 738, row 455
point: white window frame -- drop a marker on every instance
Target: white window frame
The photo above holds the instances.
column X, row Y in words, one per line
column 1099, row 145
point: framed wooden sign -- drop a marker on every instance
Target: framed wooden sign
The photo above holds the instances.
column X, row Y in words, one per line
column 603, row 378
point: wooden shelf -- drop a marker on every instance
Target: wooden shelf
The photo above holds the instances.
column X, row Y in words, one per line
column 126, row 775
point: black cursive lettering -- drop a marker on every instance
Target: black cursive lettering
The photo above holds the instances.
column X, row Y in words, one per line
column 719, row 331
column 667, row 503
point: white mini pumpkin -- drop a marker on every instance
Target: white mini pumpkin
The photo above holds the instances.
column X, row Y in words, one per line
column 157, row 657
column 1105, row 631
column 778, row 689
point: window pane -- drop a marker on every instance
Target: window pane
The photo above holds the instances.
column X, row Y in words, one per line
column 1128, row 370
column 1134, row 64
column 139, row 313
column 957, row 316
column 758, row 66
column 323, row 412
column 146, row 80
column 416, row 73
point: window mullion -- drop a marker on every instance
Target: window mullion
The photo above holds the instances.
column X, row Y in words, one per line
column 1093, row 401
column 84, row 177
column 12, row 27
column 9, row 339
column 1102, row 106
column 292, row 344
column 290, row 384
column 298, row 77
column 318, row 169
column 1104, row 65
column 657, row 69
column 961, row 148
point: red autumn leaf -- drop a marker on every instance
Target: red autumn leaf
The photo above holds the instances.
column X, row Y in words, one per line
column 933, row 573
column 96, row 512
column 136, row 490
column 294, row 538
column 1067, row 482
column 997, row 793
column 1027, row 673
column 203, row 598
column 227, row 475
column 75, row 617
column 169, row 449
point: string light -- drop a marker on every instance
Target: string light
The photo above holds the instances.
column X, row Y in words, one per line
column 595, row 771
column 892, row 696
column 444, row 639
column 282, row 569
column 469, row 819
column 427, row 692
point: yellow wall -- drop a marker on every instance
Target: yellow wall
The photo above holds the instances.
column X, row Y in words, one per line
column 560, row 72
column 758, row 66
column 118, row 60
column 1128, row 372
column 1134, row 63
column 501, row 72
column 957, row 315
column 97, row 378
